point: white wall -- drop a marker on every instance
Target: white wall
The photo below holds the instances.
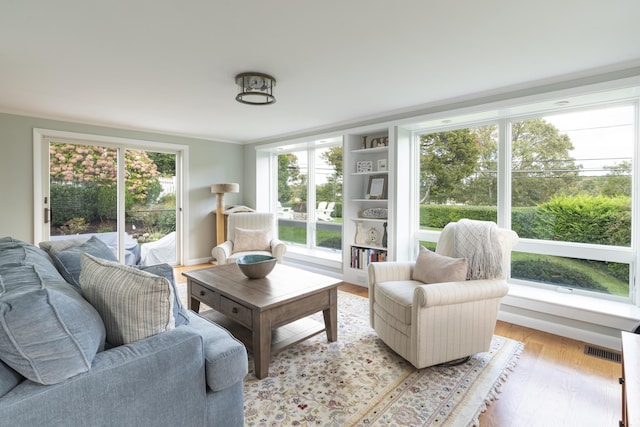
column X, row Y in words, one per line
column 209, row 162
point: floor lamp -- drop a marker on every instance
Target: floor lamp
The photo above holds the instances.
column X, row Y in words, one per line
column 219, row 190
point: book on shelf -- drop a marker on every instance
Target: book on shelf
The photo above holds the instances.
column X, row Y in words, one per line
column 361, row 257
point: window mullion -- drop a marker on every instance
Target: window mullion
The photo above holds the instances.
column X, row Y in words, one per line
column 504, row 173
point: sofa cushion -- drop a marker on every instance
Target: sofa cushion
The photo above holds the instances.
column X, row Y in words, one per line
column 48, row 334
column 166, row 271
column 21, row 277
column 434, row 268
column 9, row 378
column 133, row 304
column 68, row 260
column 15, row 252
column 251, row 240
column 52, row 247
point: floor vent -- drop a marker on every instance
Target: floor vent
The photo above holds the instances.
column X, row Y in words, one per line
column 603, row 353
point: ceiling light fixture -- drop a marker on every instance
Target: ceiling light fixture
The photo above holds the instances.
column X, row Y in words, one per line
column 255, row 88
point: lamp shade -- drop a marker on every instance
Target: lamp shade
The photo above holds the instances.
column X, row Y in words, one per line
column 225, row 188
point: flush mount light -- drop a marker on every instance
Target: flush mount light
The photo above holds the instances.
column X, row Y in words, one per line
column 255, row 88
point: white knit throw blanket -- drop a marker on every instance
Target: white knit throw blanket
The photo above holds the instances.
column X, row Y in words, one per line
column 477, row 241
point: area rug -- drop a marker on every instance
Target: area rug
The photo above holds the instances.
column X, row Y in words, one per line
column 359, row 381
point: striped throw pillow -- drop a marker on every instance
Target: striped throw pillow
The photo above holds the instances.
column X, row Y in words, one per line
column 133, row 304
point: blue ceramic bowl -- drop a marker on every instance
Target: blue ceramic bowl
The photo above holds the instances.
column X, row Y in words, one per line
column 256, row 266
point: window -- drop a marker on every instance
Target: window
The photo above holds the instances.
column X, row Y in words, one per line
column 458, row 175
column 125, row 192
column 309, row 195
column 571, row 180
column 292, row 197
column 563, row 180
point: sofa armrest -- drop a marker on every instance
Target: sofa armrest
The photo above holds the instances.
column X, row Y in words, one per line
column 278, row 249
column 222, row 252
column 156, row 381
column 225, row 357
column 448, row 293
column 389, row 271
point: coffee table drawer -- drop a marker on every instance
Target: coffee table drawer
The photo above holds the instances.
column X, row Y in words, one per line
column 207, row 296
column 237, row 312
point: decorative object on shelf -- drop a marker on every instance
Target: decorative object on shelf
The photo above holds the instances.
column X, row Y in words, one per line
column 364, row 142
column 382, row 164
column 255, row 88
column 219, row 190
column 374, row 213
column 256, row 266
column 364, row 166
column 384, row 235
column 382, row 141
column 373, row 236
column 361, row 234
column 377, row 187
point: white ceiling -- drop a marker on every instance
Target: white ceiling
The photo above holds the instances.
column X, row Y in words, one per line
column 168, row 66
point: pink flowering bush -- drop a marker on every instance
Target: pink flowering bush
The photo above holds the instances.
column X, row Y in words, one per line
column 78, row 164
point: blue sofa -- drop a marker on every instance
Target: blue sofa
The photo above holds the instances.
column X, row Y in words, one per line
column 57, row 369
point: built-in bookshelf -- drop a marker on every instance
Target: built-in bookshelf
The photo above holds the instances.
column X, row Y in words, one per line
column 366, row 195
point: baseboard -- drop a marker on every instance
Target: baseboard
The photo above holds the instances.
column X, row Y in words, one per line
column 579, row 334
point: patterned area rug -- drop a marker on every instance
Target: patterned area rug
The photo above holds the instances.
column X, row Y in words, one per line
column 359, row 381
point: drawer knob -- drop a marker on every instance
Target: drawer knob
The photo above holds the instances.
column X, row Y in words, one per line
column 202, row 293
column 234, row 310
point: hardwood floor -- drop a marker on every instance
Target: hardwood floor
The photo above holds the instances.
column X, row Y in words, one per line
column 553, row 384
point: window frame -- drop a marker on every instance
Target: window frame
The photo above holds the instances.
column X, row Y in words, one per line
column 504, row 118
column 311, row 221
column 42, row 138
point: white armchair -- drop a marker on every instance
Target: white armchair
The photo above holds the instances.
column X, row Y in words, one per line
column 250, row 233
column 429, row 324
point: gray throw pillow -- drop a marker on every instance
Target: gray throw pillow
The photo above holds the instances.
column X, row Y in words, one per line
column 133, row 304
column 166, row 271
column 434, row 268
column 52, row 247
column 49, row 334
column 68, row 260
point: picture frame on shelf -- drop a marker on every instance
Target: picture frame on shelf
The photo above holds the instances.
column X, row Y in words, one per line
column 377, row 188
column 364, row 166
column 382, row 165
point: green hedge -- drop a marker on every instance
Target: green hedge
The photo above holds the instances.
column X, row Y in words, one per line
column 551, row 272
column 71, row 201
column 437, row 216
column 582, row 219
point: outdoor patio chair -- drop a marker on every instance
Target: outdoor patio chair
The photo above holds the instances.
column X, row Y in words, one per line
column 323, row 213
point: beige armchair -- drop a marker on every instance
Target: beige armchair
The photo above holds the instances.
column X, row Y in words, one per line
column 250, row 233
column 429, row 324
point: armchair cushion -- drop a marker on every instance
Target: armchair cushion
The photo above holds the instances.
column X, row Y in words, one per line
column 395, row 298
column 433, row 268
column 252, row 240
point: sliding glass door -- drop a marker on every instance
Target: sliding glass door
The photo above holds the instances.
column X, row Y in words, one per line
column 125, row 196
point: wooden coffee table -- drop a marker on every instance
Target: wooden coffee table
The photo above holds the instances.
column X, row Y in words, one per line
column 268, row 314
